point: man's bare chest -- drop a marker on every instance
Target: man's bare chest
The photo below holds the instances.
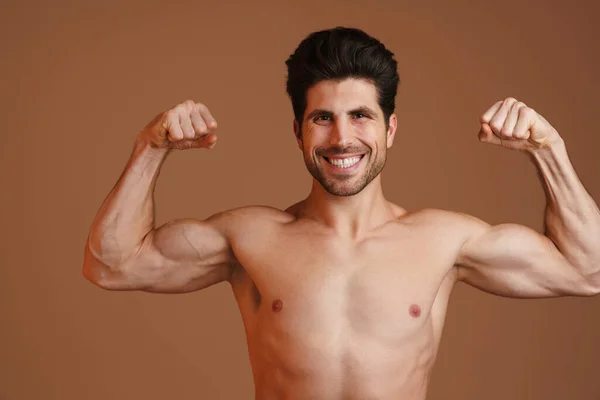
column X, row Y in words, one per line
column 379, row 287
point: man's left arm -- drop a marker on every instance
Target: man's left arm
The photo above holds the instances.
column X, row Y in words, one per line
column 515, row 261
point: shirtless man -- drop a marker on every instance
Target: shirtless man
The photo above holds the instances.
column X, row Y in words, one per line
column 343, row 295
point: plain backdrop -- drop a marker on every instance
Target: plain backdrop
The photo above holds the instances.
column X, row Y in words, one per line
column 80, row 79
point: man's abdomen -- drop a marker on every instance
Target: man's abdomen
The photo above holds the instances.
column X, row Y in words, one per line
column 339, row 364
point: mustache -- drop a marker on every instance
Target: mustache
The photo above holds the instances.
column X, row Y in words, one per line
column 338, row 151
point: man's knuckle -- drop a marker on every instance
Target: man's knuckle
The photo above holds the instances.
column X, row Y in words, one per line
column 516, row 105
column 527, row 112
column 171, row 114
column 496, row 127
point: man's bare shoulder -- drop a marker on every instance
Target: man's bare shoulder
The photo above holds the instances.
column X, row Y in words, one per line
column 447, row 230
column 456, row 223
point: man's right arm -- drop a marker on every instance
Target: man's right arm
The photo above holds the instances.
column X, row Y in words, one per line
column 124, row 250
column 180, row 256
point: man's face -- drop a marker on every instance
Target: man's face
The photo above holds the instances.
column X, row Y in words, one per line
column 344, row 139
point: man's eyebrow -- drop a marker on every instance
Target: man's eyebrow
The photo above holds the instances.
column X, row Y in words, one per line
column 363, row 110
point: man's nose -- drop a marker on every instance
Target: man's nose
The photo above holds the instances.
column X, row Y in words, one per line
column 341, row 133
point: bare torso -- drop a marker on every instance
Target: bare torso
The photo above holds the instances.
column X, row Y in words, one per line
column 343, row 295
column 333, row 318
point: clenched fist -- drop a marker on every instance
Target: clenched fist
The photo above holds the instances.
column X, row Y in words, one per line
column 186, row 126
column 510, row 123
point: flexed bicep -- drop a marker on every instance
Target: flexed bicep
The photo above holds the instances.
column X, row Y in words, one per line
column 180, row 256
column 513, row 260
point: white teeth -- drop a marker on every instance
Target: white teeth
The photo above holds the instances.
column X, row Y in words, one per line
column 344, row 163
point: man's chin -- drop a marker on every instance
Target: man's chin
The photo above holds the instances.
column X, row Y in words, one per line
column 338, row 184
column 341, row 189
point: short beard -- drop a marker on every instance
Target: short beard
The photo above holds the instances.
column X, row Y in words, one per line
column 337, row 187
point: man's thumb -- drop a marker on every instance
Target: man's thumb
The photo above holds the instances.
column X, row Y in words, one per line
column 208, row 141
column 486, row 135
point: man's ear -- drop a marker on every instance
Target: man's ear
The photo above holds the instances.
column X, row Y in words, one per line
column 391, row 132
column 298, row 133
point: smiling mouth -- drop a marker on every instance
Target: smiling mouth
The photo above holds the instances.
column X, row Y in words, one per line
column 345, row 162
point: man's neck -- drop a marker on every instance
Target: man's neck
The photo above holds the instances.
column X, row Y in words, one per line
column 349, row 216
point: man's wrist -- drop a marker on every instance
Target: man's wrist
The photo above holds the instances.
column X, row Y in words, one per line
column 552, row 150
column 143, row 146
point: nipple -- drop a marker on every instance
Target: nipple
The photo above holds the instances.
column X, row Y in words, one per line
column 414, row 310
column 277, row 305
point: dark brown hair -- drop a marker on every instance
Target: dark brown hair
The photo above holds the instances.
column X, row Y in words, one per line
column 337, row 54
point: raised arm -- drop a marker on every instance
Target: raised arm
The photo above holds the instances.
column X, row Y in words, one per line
column 180, row 256
column 512, row 260
column 516, row 261
column 125, row 251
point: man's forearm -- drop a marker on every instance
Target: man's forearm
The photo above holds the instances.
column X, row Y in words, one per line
column 127, row 214
column 572, row 219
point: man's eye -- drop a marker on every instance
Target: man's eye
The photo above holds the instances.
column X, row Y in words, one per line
column 359, row 115
column 322, row 118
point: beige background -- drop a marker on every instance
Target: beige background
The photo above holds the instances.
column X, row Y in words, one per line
column 79, row 80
